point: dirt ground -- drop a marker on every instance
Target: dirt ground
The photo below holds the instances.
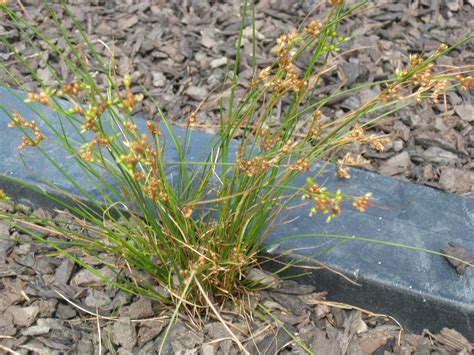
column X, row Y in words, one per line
column 178, row 50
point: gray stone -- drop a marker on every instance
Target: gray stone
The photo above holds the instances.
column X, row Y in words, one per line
column 42, row 266
column 176, row 330
column 7, row 327
column 456, row 180
column 262, row 277
column 11, row 292
column 35, row 330
column 42, row 213
column 124, row 333
column 5, row 245
column 400, row 130
column 196, row 93
column 218, row 62
column 65, row 312
column 138, row 310
column 23, row 316
column 4, row 229
column 32, row 229
column 216, row 331
column 453, row 5
column 84, row 346
column 64, row 272
column 85, row 277
column 44, row 74
column 208, row 349
column 46, row 307
column 97, row 298
column 396, row 165
column 51, row 323
column 149, row 330
column 123, row 351
column 294, row 304
column 428, row 173
column 437, row 155
column 397, row 145
column 187, row 340
column 159, row 79
column 38, row 348
column 465, row 112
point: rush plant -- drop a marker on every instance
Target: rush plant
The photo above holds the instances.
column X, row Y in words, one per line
column 189, row 239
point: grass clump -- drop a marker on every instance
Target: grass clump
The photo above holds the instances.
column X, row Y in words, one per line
column 196, row 233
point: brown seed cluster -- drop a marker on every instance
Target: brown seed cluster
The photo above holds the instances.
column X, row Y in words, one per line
column 347, row 161
column 192, row 119
column 357, row 135
column 187, row 211
column 301, row 165
column 328, row 203
column 254, row 166
column 422, row 79
column 362, row 203
column 289, row 146
column 334, row 3
column 265, row 73
column 154, row 190
column 71, row 89
column 267, row 140
column 100, row 140
column 322, row 200
column 466, row 82
column 314, row 28
column 130, row 101
column 287, row 77
column 20, row 121
column 43, row 97
column 142, row 161
column 153, row 128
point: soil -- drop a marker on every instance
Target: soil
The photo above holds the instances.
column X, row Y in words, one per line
column 177, row 50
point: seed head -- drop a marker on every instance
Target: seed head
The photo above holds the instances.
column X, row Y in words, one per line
column 314, row 28
column 362, row 203
column 334, row 3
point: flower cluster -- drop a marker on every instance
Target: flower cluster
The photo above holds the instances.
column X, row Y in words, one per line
column 324, row 201
column 466, row 83
column 71, row 89
column 362, row 203
column 348, row 160
column 357, row 135
column 422, row 79
column 128, row 104
column 154, row 189
column 43, row 97
column 192, row 119
column 254, row 166
column 314, row 28
column 287, row 77
column 20, row 121
column 301, row 165
column 334, row 3
column 329, row 203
